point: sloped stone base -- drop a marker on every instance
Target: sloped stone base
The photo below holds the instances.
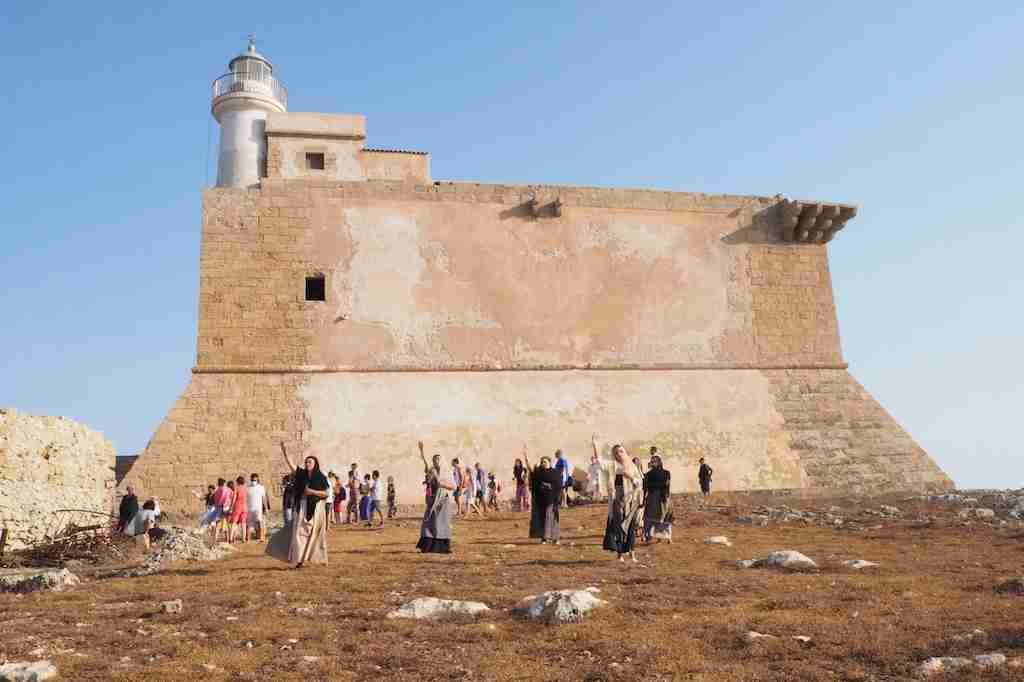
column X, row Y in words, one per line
column 809, row 430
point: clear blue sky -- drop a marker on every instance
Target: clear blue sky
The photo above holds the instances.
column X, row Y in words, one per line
column 914, row 112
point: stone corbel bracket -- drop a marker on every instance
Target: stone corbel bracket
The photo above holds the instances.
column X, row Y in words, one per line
column 813, row 222
column 539, row 208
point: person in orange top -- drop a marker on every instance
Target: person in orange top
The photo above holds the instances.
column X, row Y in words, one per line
column 239, row 516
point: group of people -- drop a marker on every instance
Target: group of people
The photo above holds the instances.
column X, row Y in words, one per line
column 138, row 522
column 233, row 509
column 638, row 502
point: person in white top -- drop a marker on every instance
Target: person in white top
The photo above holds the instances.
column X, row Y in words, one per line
column 256, row 504
column 375, row 500
column 594, row 473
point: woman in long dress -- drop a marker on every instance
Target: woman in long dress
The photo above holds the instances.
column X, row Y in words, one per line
column 625, row 506
column 436, row 529
column 304, row 540
column 656, row 495
column 546, row 491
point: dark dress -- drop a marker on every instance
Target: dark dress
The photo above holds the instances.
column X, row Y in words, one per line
column 546, row 491
column 435, row 531
column 656, row 494
column 623, row 517
column 126, row 511
column 704, row 476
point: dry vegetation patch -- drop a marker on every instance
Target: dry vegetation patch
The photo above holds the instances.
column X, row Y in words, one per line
column 683, row 613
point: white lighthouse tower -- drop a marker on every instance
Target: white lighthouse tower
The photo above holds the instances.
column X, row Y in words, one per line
column 241, row 100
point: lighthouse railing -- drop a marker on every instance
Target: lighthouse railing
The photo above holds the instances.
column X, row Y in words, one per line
column 245, row 82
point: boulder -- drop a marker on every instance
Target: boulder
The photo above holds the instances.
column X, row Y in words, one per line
column 993, row 660
column 942, row 664
column 718, row 540
column 22, row 581
column 560, row 606
column 858, row 564
column 427, row 608
column 173, row 606
column 784, row 559
column 27, row 672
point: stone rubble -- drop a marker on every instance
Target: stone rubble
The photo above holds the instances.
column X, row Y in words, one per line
column 428, row 608
column 560, row 606
column 21, row 581
column 36, row 671
column 179, row 545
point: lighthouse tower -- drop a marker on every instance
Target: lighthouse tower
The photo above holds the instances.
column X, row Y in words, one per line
column 241, row 100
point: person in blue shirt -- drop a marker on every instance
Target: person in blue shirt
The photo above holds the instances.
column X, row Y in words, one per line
column 565, row 471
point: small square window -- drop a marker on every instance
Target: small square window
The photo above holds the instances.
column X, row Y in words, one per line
column 314, row 160
column 316, row 289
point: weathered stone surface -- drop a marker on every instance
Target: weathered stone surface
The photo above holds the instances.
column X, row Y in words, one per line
column 428, row 608
column 46, row 464
column 561, row 606
column 31, row 580
column 36, row 671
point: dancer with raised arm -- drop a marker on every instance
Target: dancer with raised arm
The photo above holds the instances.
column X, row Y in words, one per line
column 436, row 529
column 625, row 504
column 546, row 491
column 304, row 540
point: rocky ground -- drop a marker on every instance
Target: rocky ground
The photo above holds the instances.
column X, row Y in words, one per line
column 945, row 601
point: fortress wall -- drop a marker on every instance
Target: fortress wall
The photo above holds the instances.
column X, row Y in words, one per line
column 453, row 276
column 648, row 317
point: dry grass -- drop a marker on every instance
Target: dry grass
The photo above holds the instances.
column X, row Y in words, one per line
column 680, row 614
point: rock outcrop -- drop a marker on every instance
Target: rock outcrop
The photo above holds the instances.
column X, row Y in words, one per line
column 48, row 464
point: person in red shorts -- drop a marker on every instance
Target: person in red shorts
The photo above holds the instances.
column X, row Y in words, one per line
column 239, row 517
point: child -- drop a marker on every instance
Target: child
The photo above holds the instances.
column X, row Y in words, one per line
column 392, row 504
column 493, row 488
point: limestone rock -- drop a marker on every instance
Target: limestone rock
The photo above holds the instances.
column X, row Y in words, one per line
column 22, row 581
column 718, row 540
column 785, row 559
column 858, row 564
column 942, row 664
column 431, row 607
column 46, row 464
column 1011, row 586
column 27, row 672
column 993, row 660
column 560, row 606
column 173, row 606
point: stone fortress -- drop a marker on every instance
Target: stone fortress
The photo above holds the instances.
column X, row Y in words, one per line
column 350, row 305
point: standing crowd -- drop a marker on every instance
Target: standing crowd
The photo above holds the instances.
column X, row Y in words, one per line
column 638, row 496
